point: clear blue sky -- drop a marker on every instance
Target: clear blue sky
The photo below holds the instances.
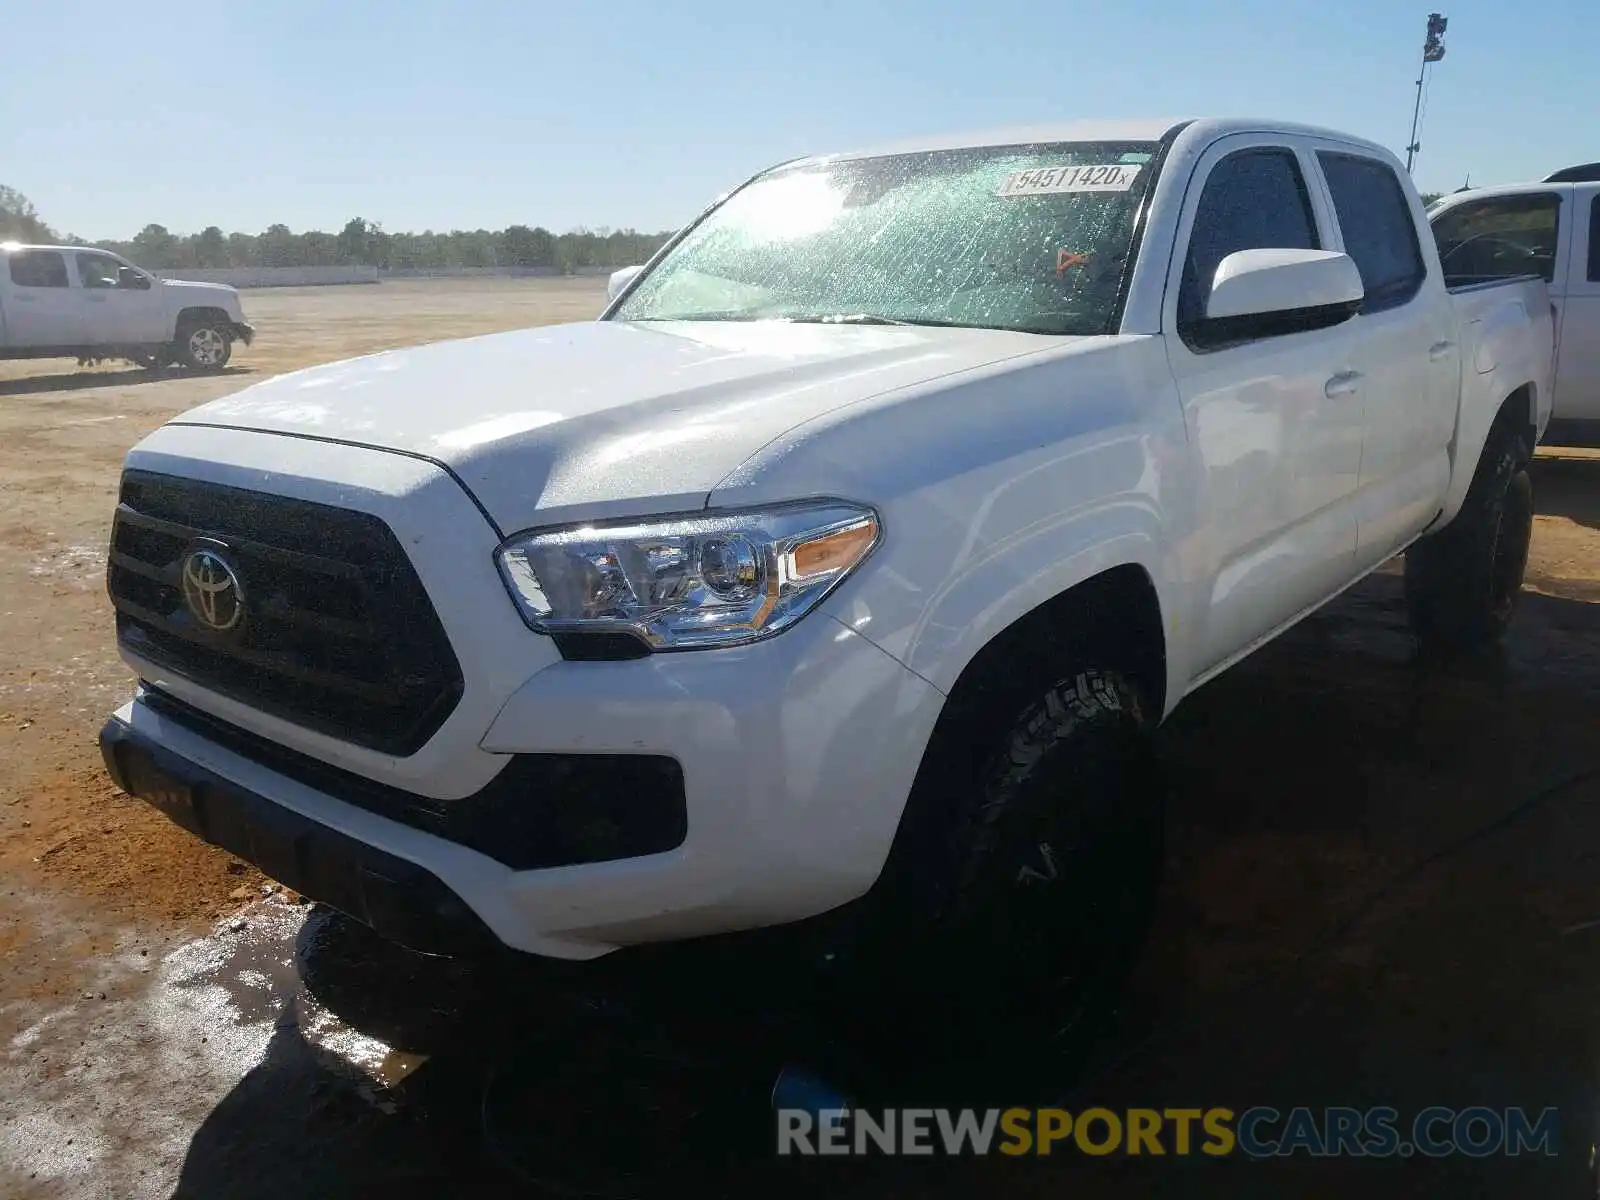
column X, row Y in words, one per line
column 422, row 114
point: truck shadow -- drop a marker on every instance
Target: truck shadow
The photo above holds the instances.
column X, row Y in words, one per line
column 85, row 379
column 1371, row 860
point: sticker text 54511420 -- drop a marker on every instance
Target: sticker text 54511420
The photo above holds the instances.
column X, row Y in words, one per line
column 1043, row 181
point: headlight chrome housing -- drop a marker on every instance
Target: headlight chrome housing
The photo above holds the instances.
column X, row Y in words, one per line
column 691, row 582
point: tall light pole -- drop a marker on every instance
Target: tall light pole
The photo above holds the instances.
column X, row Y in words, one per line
column 1432, row 52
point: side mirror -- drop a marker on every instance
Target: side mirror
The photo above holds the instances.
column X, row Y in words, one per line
column 1262, row 293
column 620, row 280
column 127, row 277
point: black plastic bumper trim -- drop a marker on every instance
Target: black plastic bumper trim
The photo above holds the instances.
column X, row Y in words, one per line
column 541, row 810
column 400, row 900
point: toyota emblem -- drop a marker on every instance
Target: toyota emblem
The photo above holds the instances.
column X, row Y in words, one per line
column 211, row 590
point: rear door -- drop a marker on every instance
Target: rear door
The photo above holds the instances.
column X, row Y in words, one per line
column 1278, row 456
column 121, row 308
column 1577, row 391
column 42, row 306
column 1405, row 344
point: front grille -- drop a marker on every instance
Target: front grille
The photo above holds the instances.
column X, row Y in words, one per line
column 338, row 634
column 541, row 810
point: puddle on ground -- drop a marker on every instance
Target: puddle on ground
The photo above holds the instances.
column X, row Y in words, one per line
column 250, row 959
column 195, row 1020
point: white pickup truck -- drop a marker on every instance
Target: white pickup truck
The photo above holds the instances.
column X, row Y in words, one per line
column 1550, row 229
column 80, row 302
column 835, row 577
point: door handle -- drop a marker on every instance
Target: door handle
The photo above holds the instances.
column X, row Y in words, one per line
column 1345, row 383
column 1439, row 349
column 94, row 298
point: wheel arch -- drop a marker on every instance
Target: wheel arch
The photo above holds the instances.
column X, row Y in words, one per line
column 196, row 314
column 1115, row 615
column 1110, row 620
column 1519, row 406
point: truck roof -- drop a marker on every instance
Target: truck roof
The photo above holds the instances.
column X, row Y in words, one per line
column 1147, row 129
column 1544, row 187
column 13, row 247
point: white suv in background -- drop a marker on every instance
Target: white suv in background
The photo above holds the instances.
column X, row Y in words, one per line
column 84, row 303
column 1550, row 229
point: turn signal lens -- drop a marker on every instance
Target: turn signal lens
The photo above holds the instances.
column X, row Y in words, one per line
column 837, row 551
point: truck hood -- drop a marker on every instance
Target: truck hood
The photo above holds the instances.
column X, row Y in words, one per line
column 587, row 420
column 194, row 285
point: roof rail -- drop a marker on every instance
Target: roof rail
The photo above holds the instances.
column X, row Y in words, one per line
column 1583, row 173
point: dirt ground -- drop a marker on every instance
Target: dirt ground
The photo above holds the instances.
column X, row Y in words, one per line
column 1381, row 885
column 63, row 432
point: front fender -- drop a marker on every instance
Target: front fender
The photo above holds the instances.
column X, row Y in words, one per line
column 997, row 493
column 181, row 295
column 938, row 632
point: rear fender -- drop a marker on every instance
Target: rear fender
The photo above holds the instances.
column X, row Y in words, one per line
column 1512, row 351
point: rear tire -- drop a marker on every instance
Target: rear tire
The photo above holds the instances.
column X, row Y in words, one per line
column 1463, row 583
column 1019, row 892
column 204, row 345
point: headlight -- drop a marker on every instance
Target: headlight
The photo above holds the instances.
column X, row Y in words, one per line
column 684, row 583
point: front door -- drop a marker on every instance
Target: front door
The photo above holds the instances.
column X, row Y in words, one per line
column 41, row 305
column 121, row 308
column 1276, row 422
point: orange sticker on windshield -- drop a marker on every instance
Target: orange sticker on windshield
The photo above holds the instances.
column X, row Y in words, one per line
column 1067, row 259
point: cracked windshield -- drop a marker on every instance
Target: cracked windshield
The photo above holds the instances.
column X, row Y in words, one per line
column 1032, row 238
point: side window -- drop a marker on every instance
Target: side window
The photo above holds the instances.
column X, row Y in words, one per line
column 1497, row 238
column 1379, row 230
column 1253, row 200
column 97, row 271
column 39, row 269
column 1594, row 240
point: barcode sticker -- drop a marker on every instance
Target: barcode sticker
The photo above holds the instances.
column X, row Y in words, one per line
column 1047, row 181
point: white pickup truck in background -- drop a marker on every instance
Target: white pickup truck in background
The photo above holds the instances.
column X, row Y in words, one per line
column 836, row 576
column 80, row 302
column 1550, row 229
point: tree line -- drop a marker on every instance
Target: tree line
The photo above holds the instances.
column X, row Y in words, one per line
column 359, row 243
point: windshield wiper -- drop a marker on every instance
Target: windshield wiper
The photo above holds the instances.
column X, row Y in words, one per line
column 860, row 318
column 702, row 316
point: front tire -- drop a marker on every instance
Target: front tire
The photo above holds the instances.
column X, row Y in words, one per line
column 1464, row 582
column 204, row 345
column 1021, row 891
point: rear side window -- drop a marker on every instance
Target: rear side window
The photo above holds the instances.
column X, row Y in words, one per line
column 1379, row 231
column 1499, row 237
column 1253, row 200
column 39, row 268
column 1594, row 240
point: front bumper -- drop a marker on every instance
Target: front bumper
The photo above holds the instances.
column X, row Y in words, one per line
column 797, row 755
column 399, row 899
column 244, row 332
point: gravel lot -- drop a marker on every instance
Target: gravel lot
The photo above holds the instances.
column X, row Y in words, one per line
column 1382, row 890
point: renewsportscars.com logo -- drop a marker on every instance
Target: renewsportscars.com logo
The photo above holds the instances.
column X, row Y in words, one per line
column 1259, row 1132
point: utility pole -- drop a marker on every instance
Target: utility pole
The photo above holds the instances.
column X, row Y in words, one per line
column 1432, row 52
